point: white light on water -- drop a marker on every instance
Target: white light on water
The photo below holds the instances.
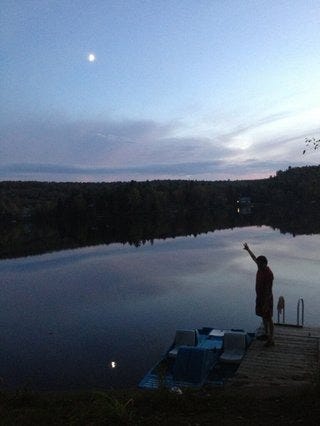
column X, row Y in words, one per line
column 113, row 364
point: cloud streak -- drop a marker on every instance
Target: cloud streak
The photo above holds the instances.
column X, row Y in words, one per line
column 58, row 149
column 252, row 168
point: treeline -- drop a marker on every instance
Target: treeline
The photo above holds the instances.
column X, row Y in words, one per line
column 47, row 202
column 43, row 201
column 39, row 217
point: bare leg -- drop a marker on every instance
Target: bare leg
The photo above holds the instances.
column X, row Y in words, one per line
column 270, row 327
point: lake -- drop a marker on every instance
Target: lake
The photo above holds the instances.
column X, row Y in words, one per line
column 101, row 316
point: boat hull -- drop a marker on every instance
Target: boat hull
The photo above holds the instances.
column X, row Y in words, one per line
column 197, row 365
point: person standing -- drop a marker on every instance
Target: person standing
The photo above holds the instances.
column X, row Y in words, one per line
column 264, row 296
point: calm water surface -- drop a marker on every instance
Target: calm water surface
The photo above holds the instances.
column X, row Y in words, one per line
column 66, row 316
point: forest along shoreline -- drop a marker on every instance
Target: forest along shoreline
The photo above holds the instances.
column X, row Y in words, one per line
column 36, row 217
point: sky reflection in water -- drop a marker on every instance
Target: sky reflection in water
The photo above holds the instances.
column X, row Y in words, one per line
column 101, row 316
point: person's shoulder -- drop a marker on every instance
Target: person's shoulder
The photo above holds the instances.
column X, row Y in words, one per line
column 269, row 271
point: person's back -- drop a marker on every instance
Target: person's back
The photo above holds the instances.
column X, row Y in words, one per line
column 264, row 296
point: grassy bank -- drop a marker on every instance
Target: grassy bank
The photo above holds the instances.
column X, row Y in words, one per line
column 134, row 407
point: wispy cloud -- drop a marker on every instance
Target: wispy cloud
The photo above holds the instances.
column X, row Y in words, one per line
column 175, row 168
column 103, row 143
column 205, row 170
column 58, row 149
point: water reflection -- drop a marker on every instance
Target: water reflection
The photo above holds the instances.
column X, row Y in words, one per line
column 18, row 240
column 65, row 315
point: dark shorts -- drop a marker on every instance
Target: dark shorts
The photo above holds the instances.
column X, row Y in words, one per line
column 264, row 310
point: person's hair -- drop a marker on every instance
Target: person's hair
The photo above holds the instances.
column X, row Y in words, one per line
column 262, row 259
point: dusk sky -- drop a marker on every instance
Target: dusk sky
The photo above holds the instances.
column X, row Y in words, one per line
column 178, row 89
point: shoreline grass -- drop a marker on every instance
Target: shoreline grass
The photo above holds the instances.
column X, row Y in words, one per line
column 141, row 407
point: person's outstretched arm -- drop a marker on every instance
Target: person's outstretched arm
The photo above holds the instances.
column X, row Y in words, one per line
column 246, row 247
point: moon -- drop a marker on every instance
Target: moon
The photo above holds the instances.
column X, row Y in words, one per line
column 91, row 57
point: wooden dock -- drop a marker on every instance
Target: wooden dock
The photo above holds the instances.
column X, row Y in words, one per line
column 292, row 362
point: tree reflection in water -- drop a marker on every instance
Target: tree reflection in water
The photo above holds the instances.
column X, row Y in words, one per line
column 29, row 238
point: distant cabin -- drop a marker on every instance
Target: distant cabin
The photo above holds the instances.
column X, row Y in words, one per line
column 244, row 201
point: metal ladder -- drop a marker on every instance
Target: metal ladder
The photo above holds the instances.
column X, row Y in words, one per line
column 300, row 312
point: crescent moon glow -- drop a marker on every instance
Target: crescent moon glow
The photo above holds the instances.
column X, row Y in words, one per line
column 91, row 57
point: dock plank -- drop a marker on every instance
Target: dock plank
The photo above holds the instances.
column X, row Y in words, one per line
column 294, row 360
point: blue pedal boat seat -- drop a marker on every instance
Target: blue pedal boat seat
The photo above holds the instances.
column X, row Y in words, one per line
column 183, row 338
column 234, row 346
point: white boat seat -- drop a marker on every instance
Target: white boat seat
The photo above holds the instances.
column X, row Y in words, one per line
column 234, row 347
column 183, row 338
